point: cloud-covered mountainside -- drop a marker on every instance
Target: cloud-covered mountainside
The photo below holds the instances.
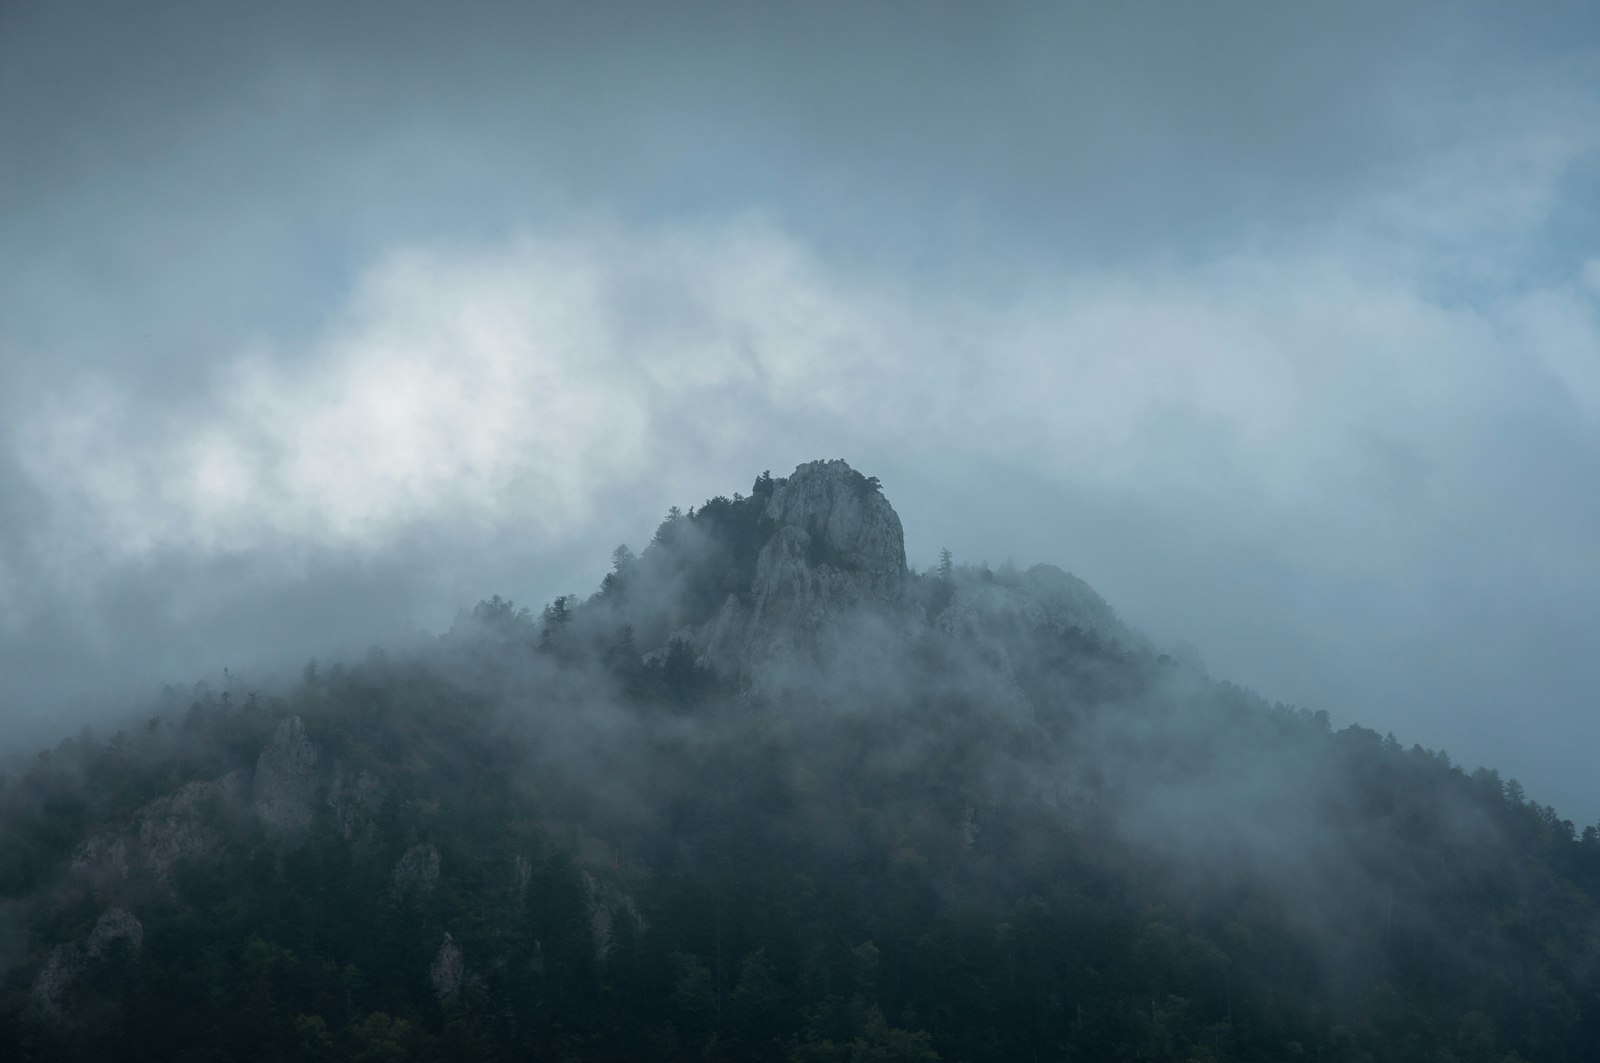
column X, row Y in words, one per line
column 770, row 794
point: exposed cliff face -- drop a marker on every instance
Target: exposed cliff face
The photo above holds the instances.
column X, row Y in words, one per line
column 833, row 570
column 416, row 873
column 191, row 823
column 115, row 930
column 845, row 515
column 354, row 804
column 286, row 780
column 61, row 969
column 608, row 905
column 446, row 971
column 116, row 939
column 183, row 825
column 837, row 545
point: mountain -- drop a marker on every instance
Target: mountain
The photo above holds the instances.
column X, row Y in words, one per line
column 771, row 794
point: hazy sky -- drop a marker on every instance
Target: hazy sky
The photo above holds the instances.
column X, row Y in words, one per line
column 1278, row 323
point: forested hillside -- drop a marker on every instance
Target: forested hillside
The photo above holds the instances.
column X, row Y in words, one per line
column 770, row 794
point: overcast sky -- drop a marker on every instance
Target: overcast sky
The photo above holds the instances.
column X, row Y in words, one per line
column 1278, row 323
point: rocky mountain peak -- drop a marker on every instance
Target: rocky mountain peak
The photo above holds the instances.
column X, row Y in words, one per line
column 844, row 517
column 837, row 544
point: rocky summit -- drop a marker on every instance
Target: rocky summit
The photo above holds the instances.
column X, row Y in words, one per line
column 832, row 558
column 835, row 544
column 829, row 511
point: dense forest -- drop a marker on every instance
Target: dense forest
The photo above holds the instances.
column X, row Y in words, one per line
column 769, row 794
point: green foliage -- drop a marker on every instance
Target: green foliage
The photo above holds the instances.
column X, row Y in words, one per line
column 675, row 678
column 864, row 485
column 379, row 1038
column 853, row 1032
column 736, row 529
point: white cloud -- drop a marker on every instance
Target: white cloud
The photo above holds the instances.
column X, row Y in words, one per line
column 512, row 383
column 1560, row 328
column 518, row 384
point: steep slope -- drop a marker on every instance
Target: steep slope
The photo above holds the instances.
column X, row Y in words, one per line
column 771, row 794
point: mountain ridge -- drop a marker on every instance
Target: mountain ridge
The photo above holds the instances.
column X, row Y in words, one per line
column 771, row 793
column 829, row 544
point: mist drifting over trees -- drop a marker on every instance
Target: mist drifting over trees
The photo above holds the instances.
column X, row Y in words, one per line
column 770, row 792
column 1220, row 385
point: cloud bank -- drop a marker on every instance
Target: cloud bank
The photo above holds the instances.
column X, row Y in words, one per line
column 1282, row 332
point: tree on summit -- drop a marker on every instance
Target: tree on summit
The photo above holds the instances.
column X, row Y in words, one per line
column 623, row 561
column 556, row 616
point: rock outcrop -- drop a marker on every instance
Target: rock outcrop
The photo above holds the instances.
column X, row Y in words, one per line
column 61, row 969
column 187, row 824
column 833, row 572
column 416, row 873
column 812, row 595
column 608, row 906
column 116, row 938
column 354, row 804
column 521, row 876
column 837, row 545
column 191, row 822
column 285, row 786
column 845, row 518
column 115, row 932
column 446, row 971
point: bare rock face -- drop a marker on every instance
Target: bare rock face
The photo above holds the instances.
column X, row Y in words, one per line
column 354, row 803
column 838, row 544
column 103, row 855
column 446, row 972
column 285, row 785
column 116, row 932
column 61, row 969
column 116, row 938
column 600, row 926
column 416, row 873
column 845, row 518
column 607, row 905
column 183, row 825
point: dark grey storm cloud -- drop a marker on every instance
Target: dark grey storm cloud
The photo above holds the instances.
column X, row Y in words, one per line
column 1278, row 324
